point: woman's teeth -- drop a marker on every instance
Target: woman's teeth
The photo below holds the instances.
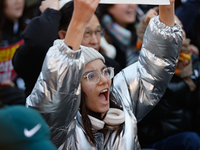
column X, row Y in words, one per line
column 104, row 91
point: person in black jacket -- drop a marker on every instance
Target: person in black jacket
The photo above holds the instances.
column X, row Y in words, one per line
column 12, row 24
column 40, row 35
column 174, row 122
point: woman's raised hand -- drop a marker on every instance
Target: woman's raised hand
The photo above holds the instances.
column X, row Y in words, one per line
column 166, row 13
column 84, row 9
column 172, row 1
column 83, row 12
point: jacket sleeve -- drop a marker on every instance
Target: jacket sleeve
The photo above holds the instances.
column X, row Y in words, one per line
column 142, row 84
column 56, row 94
column 38, row 37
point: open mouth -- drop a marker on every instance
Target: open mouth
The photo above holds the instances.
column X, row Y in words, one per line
column 103, row 96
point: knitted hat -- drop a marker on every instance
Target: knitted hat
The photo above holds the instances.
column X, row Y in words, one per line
column 91, row 54
column 23, row 128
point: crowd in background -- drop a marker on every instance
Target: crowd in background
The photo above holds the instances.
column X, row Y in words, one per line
column 118, row 37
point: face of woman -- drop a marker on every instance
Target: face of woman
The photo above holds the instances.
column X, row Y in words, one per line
column 14, row 9
column 123, row 14
column 97, row 95
column 92, row 35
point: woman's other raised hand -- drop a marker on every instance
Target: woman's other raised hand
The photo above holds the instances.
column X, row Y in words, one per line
column 166, row 13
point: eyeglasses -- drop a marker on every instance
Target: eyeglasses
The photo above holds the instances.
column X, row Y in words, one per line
column 93, row 77
column 88, row 34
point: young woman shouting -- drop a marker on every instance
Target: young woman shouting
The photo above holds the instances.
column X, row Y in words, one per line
column 83, row 106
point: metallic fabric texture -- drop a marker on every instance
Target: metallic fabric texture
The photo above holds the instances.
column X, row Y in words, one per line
column 137, row 88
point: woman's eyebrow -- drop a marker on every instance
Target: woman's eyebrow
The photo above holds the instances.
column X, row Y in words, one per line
column 94, row 70
column 103, row 67
column 88, row 72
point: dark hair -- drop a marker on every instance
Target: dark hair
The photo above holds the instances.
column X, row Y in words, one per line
column 87, row 123
column 67, row 12
column 2, row 17
column 103, row 9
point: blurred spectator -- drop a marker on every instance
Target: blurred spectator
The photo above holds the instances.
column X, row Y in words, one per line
column 119, row 21
column 12, row 24
column 189, row 14
column 174, row 122
column 23, row 128
column 37, row 11
column 30, row 8
column 38, row 40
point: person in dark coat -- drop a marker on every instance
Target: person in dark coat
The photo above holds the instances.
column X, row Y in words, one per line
column 12, row 24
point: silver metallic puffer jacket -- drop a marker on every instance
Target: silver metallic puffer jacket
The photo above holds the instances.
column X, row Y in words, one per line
column 137, row 88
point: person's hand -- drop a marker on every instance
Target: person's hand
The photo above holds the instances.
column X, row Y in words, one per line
column 84, row 9
column 83, row 12
column 166, row 13
column 172, row 1
column 150, row 14
column 7, row 83
column 53, row 4
column 193, row 49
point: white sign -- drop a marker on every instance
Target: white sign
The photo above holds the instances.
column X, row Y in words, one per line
column 151, row 2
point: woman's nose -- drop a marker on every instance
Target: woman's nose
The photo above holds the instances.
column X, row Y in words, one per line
column 103, row 79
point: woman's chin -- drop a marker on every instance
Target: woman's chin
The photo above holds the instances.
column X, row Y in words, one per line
column 104, row 110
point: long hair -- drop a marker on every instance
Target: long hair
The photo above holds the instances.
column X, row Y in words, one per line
column 87, row 123
column 67, row 12
column 3, row 18
column 103, row 9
